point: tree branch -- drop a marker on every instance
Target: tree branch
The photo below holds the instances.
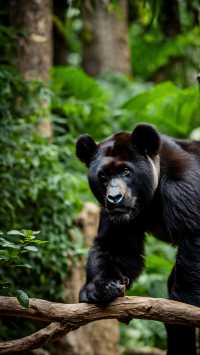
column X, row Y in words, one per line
column 67, row 317
column 32, row 341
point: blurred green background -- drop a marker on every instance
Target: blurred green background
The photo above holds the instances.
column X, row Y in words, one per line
column 43, row 186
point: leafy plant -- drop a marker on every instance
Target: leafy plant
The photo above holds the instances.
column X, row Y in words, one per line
column 15, row 243
column 80, row 102
column 13, row 246
column 153, row 53
column 170, row 108
column 36, row 183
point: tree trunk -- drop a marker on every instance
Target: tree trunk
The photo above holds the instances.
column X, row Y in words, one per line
column 59, row 40
column 98, row 338
column 105, row 37
column 34, row 20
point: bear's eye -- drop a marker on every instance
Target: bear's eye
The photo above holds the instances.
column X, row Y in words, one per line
column 126, row 172
column 103, row 178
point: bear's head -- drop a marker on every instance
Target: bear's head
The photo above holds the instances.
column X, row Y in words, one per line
column 123, row 170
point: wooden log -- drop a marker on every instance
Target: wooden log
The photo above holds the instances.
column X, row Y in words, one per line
column 145, row 351
column 67, row 317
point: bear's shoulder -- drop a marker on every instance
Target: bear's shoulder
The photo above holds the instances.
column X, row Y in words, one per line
column 179, row 189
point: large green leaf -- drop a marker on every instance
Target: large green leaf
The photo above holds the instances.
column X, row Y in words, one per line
column 73, row 82
column 167, row 106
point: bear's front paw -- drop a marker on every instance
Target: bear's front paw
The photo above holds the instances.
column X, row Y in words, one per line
column 101, row 291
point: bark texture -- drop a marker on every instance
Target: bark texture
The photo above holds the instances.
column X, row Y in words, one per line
column 105, row 37
column 145, row 351
column 87, row 340
column 33, row 19
column 67, row 317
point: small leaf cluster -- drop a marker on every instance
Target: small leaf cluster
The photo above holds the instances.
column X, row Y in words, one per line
column 13, row 245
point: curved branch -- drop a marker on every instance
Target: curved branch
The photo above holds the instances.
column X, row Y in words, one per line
column 67, row 317
column 31, row 341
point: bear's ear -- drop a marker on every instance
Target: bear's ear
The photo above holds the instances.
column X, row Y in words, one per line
column 146, row 139
column 85, row 148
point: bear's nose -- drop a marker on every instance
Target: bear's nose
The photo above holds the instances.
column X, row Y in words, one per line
column 114, row 199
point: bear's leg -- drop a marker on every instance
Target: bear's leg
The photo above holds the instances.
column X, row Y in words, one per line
column 108, row 276
column 180, row 340
column 114, row 261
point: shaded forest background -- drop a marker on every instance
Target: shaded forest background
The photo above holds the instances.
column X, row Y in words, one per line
column 67, row 68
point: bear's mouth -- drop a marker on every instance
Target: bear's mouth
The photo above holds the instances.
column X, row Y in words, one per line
column 120, row 215
column 118, row 210
column 125, row 213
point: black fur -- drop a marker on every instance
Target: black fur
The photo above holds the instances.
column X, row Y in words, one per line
column 146, row 139
column 170, row 210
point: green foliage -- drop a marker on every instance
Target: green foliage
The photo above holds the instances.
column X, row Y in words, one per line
column 13, row 246
column 80, row 102
column 73, row 82
column 174, row 111
column 7, row 43
column 168, row 107
column 120, row 89
column 15, row 243
column 114, row 102
column 36, row 186
column 70, row 28
column 153, row 54
column 159, row 256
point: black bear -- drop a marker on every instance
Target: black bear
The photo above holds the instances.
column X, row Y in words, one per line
column 145, row 182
